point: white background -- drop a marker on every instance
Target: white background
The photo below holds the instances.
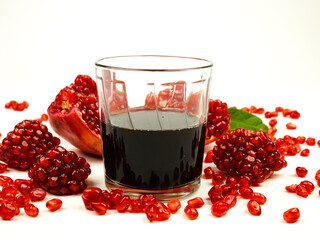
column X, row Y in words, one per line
column 265, row 53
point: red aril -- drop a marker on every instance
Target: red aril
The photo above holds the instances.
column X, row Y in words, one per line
column 36, row 195
column 292, row 188
column 302, row 191
column 31, row 210
column 7, row 210
column 231, row 200
column 311, row 141
column 151, row 212
column 74, row 115
column 258, row 197
column 196, row 202
column 191, row 212
column 163, row 212
column 292, row 215
column 291, row 126
column 219, row 208
column 305, row 153
column 208, row 172
column 54, row 204
column 254, row 208
column 301, row 171
column 174, row 205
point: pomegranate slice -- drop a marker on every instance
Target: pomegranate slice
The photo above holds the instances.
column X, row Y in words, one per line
column 74, row 115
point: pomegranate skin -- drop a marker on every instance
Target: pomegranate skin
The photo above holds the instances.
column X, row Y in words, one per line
column 74, row 129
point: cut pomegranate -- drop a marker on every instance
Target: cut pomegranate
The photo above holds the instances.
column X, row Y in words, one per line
column 54, row 204
column 60, row 172
column 28, row 139
column 254, row 208
column 74, row 115
column 218, row 121
column 244, row 153
column 292, row 215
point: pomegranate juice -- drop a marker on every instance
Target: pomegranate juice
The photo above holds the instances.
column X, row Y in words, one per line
column 144, row 158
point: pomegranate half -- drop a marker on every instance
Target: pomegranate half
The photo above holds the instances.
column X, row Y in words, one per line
column 74, row 115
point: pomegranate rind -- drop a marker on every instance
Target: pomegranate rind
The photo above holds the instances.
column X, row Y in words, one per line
column 74, row 129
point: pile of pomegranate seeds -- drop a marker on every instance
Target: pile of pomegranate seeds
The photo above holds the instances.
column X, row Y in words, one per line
column 14, row 105
column 22, row 194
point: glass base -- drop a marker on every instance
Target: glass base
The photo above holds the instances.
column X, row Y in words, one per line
column 162, row 195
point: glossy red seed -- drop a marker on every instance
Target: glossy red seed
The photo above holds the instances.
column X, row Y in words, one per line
column 292, row 188
column 219, row 208
column 318, row 142
column 302, row 191
column 123, row 204
column 37, row 194
column 218, row 179
column 301, row 171
column 305, row 153
column 208, row 172
column 92, row 193
column 291, row 126
column 7, row 210
column 279, row 109
column 273, row 122
column 267, row 114
column 245, row 192
column 3, row 166
column 196, row 202
column 294, row 114
column 254, row 208
column 231, row 200
column 163, row 212
column 21, row 200
column 151, row 212
column 309, row 186
column 99, row 207
column 311, row 141
column 31, row 210
column 301, row 139
column 208, row 158
column 5, row 180
column 258, row 197
column 292, row 215
column 25, row 187
column 136, row 206
column 174, row 205
column 54, row 204
column 191, row 212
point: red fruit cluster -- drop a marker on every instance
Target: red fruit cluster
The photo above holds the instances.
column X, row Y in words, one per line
column 19, row 194
column 14, row 105
column 60, row 172
column 100, row 201
column 219, row 119
column 244, row 153
column 303, row 189
column 28, row 139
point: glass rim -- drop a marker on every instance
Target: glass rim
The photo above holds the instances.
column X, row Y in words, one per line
column 205, row 63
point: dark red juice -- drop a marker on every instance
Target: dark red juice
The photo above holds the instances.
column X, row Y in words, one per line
column 153, row 159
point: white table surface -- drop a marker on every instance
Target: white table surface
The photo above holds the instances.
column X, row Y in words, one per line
column 266, row 53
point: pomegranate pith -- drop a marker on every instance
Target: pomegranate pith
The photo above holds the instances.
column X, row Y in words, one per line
column 74, row 115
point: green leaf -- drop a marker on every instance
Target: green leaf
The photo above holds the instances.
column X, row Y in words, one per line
column 246, row 120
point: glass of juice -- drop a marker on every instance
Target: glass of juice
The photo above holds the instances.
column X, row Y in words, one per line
column 153, row 112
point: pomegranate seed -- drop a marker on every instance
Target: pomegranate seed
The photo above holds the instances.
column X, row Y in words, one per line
column 301, row 171
column 305, row 153
column 99, row 207
column 294, row 114
column 273, row 122
column 259, row 110
column 311, row 141
column 25, row 187
column 191, row 212
column 292, row 188
column 208, row 172
column 196, row 202
column 318, row 143
column 245, row 192
column 279, row 109
column 21, row 200
column 292, row 215
column 7, row 210
column 267, row 114
column 219, row 208
column 92, row 193
column 309, row 186
column 31, row 210
column 123, row 204
column 231, row 200
column 302, row 191
column 218, row 179
column 245, row 109
column 37, row 194
column 244, row 182
column 254, row 208
column 258, row 197
column 174, row 205
column 54, row 204
column 208, row 158
column 136, row 206
column 163, row 212
column 5, row 180
column 151, row 212
column 286, row 112
column 44, row 117
column 291, row 126
column 301, row 139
